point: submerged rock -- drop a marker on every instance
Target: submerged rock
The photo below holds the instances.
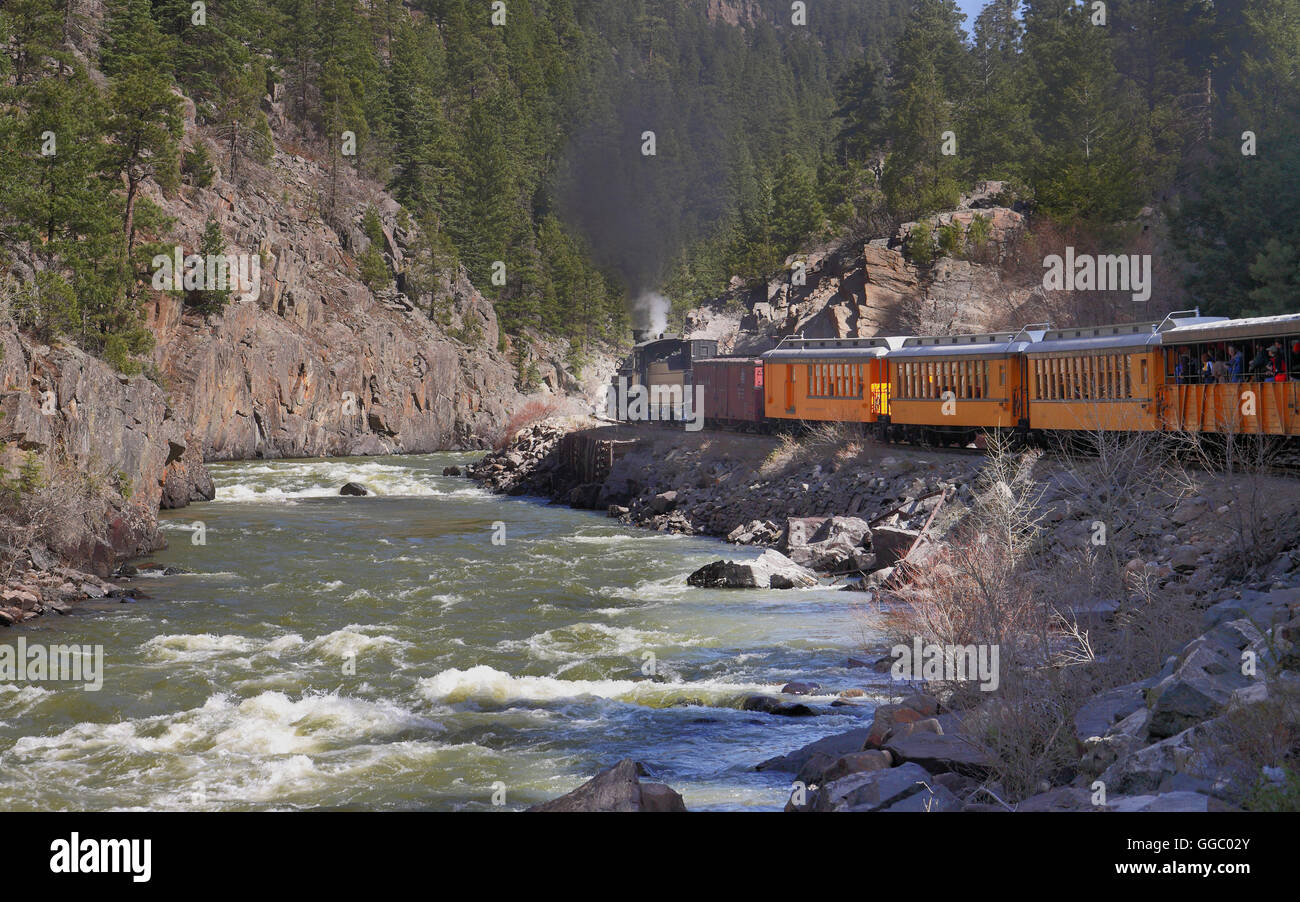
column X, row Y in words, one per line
column 618, row 788
column 766, row 704
column 772, row 570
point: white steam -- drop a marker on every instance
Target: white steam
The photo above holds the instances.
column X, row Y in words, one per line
column 651, row 311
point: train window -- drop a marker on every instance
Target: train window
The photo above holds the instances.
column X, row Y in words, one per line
column 836, row 380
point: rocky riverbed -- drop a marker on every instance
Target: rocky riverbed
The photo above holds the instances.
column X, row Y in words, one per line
column 1204, row 716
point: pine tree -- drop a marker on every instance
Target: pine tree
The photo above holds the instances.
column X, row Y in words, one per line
column 997, row 132
column 1085, row 171
column 930, row 83
column 144, row 122
column 211, row 298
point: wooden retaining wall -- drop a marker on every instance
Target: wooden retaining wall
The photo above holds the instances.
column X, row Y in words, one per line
column 588, row 458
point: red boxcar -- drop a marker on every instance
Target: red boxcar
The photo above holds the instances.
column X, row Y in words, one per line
column 733, row 390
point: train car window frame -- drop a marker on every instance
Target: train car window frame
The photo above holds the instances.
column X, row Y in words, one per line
column 835, row 382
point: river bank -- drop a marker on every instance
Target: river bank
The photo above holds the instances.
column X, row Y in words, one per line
column 1166, row 675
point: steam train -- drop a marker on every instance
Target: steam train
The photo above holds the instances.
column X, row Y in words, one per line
column 1186, row 373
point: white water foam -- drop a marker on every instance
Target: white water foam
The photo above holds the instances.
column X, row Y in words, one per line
column 487, row 684
column 289, row 481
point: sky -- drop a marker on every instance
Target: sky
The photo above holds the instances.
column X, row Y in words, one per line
column 972, row 9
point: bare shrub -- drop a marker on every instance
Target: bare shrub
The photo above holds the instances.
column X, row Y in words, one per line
column 1027, row 729
column 1112, row 480
column 48, row 507
column 972, row 588
column 530, row 413
column 782, row 457
column 1246, row 463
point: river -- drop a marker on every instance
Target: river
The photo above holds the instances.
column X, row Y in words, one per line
column 434, row 647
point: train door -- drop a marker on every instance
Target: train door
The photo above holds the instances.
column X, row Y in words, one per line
column 789, row 388
column 880, row 385
column 1020, row 394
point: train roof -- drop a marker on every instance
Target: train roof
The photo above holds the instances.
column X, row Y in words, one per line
column 1219, row 329
column 989, row 344
column 1098, row 338
column 832, row 348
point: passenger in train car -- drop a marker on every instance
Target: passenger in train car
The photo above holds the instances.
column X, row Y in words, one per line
column 1183, row 369
column 1259, row 363
column 1276, row 365
column 1236, row 364
column 1294, row 364
column 1220, row 366
column 1207, row 367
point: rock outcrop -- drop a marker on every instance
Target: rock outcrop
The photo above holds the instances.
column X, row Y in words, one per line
column 118, row 437
column 618, row 788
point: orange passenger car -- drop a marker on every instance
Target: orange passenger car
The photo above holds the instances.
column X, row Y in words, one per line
column 946, row 390
column 1095, row 379
column 1233, row 377
column 836, row 380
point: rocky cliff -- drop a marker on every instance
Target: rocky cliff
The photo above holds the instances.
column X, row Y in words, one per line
column 315, row 363
column 860, row 288
column 311, row 362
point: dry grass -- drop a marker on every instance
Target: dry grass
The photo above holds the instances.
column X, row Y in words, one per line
column 833, row 446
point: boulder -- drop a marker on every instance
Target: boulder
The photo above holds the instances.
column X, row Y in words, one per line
column 1200, row 687
column 855, row 763
column 872, row 790
column 940, row 753
column 1185, row 558
column 828, row 543
column 772, row 570
column 618, row 788
column 891, row 544
column 1062, row 798
column 932, row 799
column 663, row 502
column 1144, row 770
column 831, row 746
column 1182, row 802
column 354, row 490
column 887, row 718
column 1126, row 737
column 926, row 705
column 1100, row 713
